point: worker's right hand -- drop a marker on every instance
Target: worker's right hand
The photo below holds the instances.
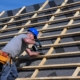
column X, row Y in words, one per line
column 34, row 54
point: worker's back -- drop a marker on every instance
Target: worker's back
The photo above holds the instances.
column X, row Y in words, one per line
column 16, row 46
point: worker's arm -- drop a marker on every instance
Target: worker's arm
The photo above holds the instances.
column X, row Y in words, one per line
column 31, row 53
column 29, row 41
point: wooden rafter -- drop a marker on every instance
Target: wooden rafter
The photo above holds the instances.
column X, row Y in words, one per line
column 45, row 26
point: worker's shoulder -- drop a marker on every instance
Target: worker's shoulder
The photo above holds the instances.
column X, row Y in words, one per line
column 22, row 36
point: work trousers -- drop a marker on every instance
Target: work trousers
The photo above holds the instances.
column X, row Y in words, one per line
column 9, row 72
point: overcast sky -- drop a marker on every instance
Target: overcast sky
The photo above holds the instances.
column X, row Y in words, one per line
column 13, row 4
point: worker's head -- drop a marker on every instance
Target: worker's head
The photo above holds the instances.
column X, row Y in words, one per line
column 34, row 31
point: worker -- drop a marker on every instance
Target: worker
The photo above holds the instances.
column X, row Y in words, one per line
column 14, row 48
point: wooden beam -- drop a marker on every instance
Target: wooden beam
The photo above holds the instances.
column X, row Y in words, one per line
column 59, row 35
column 45, row 37
column 52, row 78
column 29, row 21
column 54, row 66
column 44, row 27
column 77, row 70
column 54, row 45
column 2, row 13
column 56, row 42
column 62, row 44
column 35, row 24
column 58, row 39
column 12, row 19
column 35, row 14
column 59, row 27
column 56, row 55
column 55, row 14
column 52, row 8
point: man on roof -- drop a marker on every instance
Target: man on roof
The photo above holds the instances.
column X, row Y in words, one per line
column 14, row 48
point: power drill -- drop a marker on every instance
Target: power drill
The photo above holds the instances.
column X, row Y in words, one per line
column 38, row 45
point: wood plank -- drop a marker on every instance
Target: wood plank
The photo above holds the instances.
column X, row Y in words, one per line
column 59, row 27
column 52, row 8
column 53, row 45
column 44, row 37
column 52, row 66
column 56, row 55
column 52, row 78
column 12, row 19
column 59, row 35
column 47, row 29
column 35, row 24
column 54, row 14
column 2, row 13
column 61, row 44
column 58, row 39
column 29, row 21
column 45, row 26
column 35, row 14
column 77, row 70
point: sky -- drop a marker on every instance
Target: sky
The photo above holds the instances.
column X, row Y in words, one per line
column 14, row 4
